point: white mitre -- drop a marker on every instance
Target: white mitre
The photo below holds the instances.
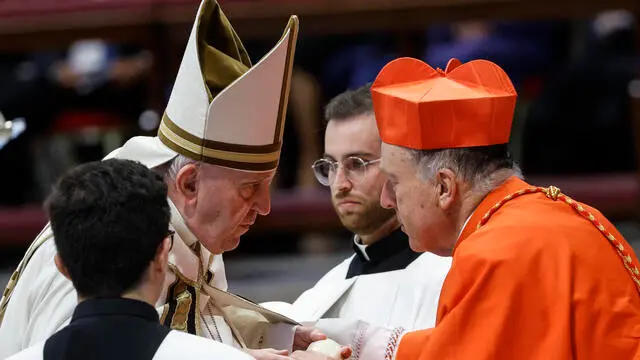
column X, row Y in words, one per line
column 222, row 110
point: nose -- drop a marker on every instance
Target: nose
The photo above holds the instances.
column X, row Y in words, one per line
column 340, row 182
column 263, row 200
column 388, row 197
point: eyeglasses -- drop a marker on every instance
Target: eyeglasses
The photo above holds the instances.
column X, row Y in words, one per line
column 170, row 234
column 355, row 169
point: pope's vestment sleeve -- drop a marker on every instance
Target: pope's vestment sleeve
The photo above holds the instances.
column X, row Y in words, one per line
column 42, row 302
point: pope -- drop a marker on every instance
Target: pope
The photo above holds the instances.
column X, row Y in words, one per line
column 218, row 148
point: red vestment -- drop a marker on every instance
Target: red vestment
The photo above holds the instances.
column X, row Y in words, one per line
column 537, row 281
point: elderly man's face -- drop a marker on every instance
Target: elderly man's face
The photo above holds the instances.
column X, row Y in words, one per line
column 415, row 201
column 227, row 204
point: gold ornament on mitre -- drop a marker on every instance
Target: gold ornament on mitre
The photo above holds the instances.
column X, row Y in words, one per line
column 222, row 110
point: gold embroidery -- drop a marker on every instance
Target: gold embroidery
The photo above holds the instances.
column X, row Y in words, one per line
column 13, row 281
column 554, row 193
column 210, row 274
column 181, row 315
column 183, row 300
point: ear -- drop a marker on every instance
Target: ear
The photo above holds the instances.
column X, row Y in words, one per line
column 60, row 266
column 446, row 188
column 162, row 256
column 186, row 182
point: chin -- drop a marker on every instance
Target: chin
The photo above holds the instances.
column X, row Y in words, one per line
column 415, row 246
column 215, row 247
column 231, row 244
column 420, row 246
column 350, row 220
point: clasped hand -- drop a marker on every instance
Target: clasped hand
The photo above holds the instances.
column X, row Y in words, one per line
column 305, row 335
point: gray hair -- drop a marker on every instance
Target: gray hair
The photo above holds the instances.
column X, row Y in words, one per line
column 171, row 169
column 483, row 168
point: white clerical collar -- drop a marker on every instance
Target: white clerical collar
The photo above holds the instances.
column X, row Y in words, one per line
column 214, row 263
column 180, row 227
column 362, row 247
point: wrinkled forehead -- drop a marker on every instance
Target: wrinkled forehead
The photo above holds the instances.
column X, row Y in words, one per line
column 237, row 175
column 395, row 159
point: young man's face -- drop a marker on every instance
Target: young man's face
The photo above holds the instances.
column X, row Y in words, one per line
column 355, row 191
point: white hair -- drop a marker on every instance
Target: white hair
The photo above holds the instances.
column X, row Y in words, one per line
column 482, row 171
column 171, row 169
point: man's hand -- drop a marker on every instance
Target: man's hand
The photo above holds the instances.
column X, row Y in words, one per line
column 305, row 335
column 345, row 353
column 269, row 354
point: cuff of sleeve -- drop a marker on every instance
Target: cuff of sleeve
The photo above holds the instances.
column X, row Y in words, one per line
column 280, row 336
column 378, row 343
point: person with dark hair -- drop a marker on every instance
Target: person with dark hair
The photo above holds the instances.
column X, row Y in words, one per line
column 385, row 282
column 535, row 274
column 110, row 220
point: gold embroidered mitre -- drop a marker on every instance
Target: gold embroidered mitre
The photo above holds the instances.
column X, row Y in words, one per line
column 222, row 110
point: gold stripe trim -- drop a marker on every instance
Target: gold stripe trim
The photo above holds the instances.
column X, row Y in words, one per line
column 165, row 311
column 219, row 145
column 195, row 148
column 15, row 277
column 213, row 161
column 286, row 79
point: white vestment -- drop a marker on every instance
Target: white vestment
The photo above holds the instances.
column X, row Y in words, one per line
column 43, row 300
column 177, row 345
column 206, row 120
column 366, row 308
column 384, row 309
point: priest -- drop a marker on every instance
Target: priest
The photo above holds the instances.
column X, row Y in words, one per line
column 535, row 273
column 218, row 147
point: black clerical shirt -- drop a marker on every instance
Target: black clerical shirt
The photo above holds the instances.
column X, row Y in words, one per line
column 108, row 328
column 387, row 254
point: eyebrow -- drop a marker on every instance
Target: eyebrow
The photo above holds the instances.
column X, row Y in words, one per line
column 359, row 154
column 353, row 154
column 327, row 156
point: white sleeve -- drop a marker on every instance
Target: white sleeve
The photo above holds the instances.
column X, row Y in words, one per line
column 183, row 346
column 280, row 336
column 280, row 307
column 368, row 342
column 34, row 352
column 42, row 302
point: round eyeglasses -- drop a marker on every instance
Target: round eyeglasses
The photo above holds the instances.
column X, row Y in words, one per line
column 355, row 169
